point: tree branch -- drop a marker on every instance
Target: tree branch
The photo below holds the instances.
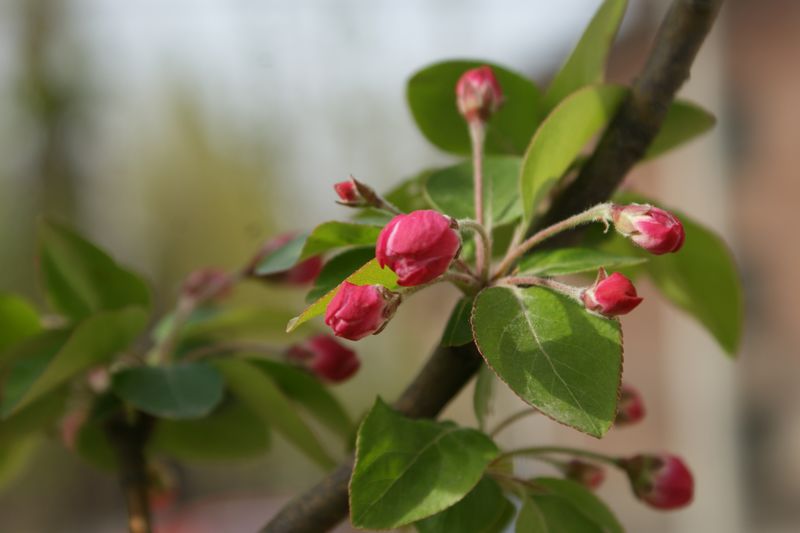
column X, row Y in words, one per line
column 129, row 438
column 624, row 143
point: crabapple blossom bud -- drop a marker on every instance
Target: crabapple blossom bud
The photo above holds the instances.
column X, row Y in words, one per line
column 327, row 358
column 347, row 192
column 654, row 229
column 98, row 379
column 418, row 246
column 587, row 474
column 662, row 481
column 631, row 407
column 207, row 284
column 70, row 426
column 360, row 310
column 478, row 94
column 302, row 273
column 611, row 295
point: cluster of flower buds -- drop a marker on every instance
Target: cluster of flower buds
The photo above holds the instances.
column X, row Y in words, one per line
column 651, row 228
column 611, row 295
column 328, row 359
column 302, row 273
column 478, row 94
column 630, row 409
column 360, row 310
column 662, row 481
column 587, row 474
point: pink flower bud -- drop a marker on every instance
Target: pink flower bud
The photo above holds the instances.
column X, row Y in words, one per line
column 611, row 295
column 478, row 94
column 347, row 192
column 360, row 310
column 662, row 481
column 418, row 246
column 70, row 426
column 327, row 358
column 208, row 284
column 631, row 407
column 302, row 273
column 654, row 229
column 587, row 474
column 99, row 379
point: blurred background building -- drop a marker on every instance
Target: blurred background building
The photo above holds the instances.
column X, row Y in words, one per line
column 180, row 134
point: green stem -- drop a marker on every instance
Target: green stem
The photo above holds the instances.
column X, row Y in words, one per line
column 232, row 346
column 565, row 289
column 519, row 415
column 483, row 246
column 598, row 213
column 477, row 134
column 542, row 450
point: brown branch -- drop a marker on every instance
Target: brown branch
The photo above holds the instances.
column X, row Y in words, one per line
column 129, row 438
column 635, row 125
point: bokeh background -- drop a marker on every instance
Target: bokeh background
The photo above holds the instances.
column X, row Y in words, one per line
column 180, row 134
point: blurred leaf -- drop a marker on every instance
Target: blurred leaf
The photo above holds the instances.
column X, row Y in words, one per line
column 482, row 396
column 451, row 190
column 306, row 390
column 583, row 501
column 563, row 261
column 37, row 416
column 431, row 94
column 284, row 257
column 552, row 353
column 80, row 279
column 369, row 274
column 407, row 470
column 91, row 445
column 232, row 431
column 95, row 340
column 260, row 393
column 15, row 456
column 180, row 391
column 458, row 332
column 560, row 138
column 18, row 320
column 531, row 519
column 34, row 348
column 587, row 63
column 336, row 271
column 684, row 121
column 483, row 510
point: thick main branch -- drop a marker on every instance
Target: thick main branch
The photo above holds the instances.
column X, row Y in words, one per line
column 624, row 143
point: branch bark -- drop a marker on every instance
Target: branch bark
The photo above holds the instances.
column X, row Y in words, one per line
column 624, row 143
column 129, row 438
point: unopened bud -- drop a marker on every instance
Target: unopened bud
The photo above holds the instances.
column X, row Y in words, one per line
column 327, row 358
column 611, row 295
column 651, row 228
column 478, row 94
column 360, row 310
column 631, row 407
column 662, row 481
column 588, row 474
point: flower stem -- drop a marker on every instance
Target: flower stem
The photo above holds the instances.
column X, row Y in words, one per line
column 477, row 134
column 577, row 452
column 511, row 419
column 593, row 214
column 565, row 289
column 482, row 248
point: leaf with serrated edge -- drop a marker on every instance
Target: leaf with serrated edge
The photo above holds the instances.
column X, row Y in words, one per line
column 563, row 261
column 406, row 470
column 458, row 332
column 553, row 354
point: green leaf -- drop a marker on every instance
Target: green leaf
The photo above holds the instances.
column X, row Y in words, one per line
column 584, row 502
column 180, row 391
column 232, row 431
column 432, row 99
column 560, row 138
column 369, row 274
column 483, row 510
column 260, row 393
column 15, row 456
column 37, row 416
column 337, row 269
column 684, row 121
column 18, row 320
column 304, row 389
column 702, row 279
column 91, row 445
column 94, row 341
column 458, row 332
column 407, row 470
column 586, row 64
column 563, row 261
column 553, row 354
column 482, row 396
column 531, row 519
column 451, row 190
column 80, row 279
column 284, row 257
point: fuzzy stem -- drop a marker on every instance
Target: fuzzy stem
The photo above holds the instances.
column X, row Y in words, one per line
column 483, row 247
column 598, row 213
column 477, row 135
column 565, row 289
column 519, row 415
column 576, row 452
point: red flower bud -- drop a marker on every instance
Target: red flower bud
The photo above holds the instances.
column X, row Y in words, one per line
column 207, row 283
column 662, row 481
column 327, row 358
column 302, row 273
column 478, row 94
column 611, row 295
column 360, row 310
column 654, row 229
column 347, row 192
column 418, row 246
column 587, row 474
column 631, row 407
